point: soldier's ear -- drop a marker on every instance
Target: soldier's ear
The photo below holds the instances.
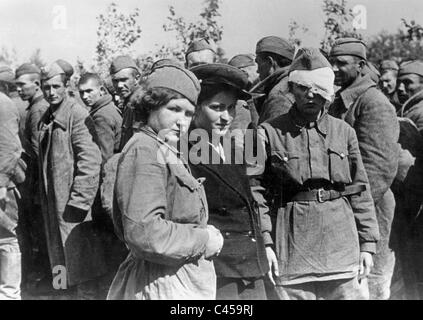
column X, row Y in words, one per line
column 361, row 64
column 103, row 90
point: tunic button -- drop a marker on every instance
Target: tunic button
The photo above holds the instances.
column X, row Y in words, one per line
column 342, row 155
column 285, row 159
column 227, row 234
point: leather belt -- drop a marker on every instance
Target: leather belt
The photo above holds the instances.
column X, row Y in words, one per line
column 322, row 195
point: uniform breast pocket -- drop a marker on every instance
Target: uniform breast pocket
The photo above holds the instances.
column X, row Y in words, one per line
column 339, row 165
column 190, row 194
column 285, row 162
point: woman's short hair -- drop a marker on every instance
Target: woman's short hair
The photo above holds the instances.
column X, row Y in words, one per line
column 147, row 101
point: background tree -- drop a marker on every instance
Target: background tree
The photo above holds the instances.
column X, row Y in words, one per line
column 116, row 32
column 36, row 59
column 207, row 26
column 405, row 44
column 295, row 33
column 8, row 57
column 337, row 23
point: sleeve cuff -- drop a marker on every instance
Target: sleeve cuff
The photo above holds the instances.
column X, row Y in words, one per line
column 368, row 247
column 267, row 238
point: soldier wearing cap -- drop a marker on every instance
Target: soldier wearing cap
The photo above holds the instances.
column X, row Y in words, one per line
column 313, row 179
column 69, row 165
column 388, row 81
column 410, row 186
column 247, row 64
column 161, row 209
column 246, row 114
column 241, row 266
column 8, row 87
column 28, row 84
column 273, row 57
column 410, row 79
column 126, row 80
column 200, row 51
column 369, row 112
column 11, row 149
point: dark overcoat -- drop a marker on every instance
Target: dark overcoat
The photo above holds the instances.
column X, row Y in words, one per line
column 69, row 163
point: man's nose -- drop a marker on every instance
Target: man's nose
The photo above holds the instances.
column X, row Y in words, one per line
column 401, row 87
column 335, row 68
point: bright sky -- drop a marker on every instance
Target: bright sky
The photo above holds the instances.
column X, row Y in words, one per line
column 27, row 24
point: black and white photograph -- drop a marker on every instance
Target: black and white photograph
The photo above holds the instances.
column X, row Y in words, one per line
column 213, row 150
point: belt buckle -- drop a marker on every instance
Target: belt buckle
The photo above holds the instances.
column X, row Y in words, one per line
column 320, row 195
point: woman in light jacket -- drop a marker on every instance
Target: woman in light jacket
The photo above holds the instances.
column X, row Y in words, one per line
column 160, row 209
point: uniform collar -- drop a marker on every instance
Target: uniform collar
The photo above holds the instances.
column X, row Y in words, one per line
column 103, row 101
column 411, row 102
column 35, row 100
column 350, row 94
column 151, row 133
column 60, row 115
column 321, row 124
column 268, row 83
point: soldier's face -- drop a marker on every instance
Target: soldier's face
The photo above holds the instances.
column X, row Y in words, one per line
column 264, row 67
column 410, row 84
column 216, row 113
column 251, row 72
column 91, row 92
column 388, row 81
column 27, row 86
column 346, row 69
column 200, row 57
column 172, row 120
column 125, row 82
column 54, row 90
column 308, row 103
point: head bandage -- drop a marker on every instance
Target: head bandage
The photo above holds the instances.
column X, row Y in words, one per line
column 320, row 81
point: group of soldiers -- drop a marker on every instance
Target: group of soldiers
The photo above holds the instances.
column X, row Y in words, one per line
column 54, row 153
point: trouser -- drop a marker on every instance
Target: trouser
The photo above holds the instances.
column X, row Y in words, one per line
column 95, row 289
column 344, row 289
column 240, row 289
column 10, row 270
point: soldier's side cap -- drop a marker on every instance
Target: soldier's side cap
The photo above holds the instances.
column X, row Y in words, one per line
column 27, row 68
column 122, row 62
column 165, row 62
column 53, row 70
column 276, row 45
column 177, row 79
column 309, row 59
column 200, row 44
column 411, row 67
column 349, row 47
column 310, row 68
column 66, row 66
column 242, row 60
column 6, row 74
column 219, row 73
column 389, row 65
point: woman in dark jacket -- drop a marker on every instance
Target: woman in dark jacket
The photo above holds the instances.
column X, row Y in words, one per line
column 160, row 209
column 241, row 265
